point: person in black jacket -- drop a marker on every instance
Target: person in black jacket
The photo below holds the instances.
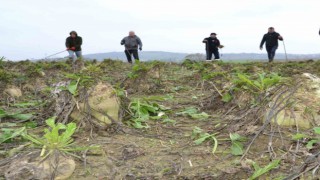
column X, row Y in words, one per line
column 271, row 40
column 212, row 45
column 73, row 44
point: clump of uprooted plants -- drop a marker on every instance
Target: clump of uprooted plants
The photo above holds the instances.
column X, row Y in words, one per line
column 53, row 160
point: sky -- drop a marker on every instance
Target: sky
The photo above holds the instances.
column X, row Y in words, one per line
column 38, row 28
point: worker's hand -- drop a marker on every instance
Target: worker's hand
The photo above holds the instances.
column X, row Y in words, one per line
column 73, row 48
column 140, row 48
column 261, row 48
column 68, row 49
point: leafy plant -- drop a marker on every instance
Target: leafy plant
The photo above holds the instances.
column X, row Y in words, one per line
column 143, row 110
column 81, row 79
column 119, row 91
column 177, row 88
column 299, row 136
column 2, row 59
column 258, row 171
column 227, row 97
column 16, row 115
column 93, row 70
column 6, row 76
column 26, row 104
column 77, row 80
column 311, row 140
column 137, row 69
column 31, row 124
column 166, row 97
column 199, row 137
column 34, row 70
column 8, row 134
column 188, row 63
column 140, row 69
column 56, row 138
column 193, row 113
column 257, row 85
column 236, row 144
column 73, row 86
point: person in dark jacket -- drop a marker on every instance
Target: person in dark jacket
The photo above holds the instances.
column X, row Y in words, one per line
column 212, row 45
column 73, row 44
column 271, row 40
column 131, row 44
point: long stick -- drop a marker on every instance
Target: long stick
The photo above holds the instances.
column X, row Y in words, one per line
column 56, row 53
column 285, row 51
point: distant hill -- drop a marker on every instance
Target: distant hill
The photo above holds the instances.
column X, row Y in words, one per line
column 172, row 56
column 279, row 56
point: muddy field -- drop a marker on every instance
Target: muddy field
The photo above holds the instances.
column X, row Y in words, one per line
column 194, row 120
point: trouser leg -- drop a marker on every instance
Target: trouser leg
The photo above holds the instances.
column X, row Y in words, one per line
column 209, row 55
column 216, row 54
column 70, row 57
column 128, row 54
column 273, row 52
column 135, row 54
column 71, row 54
column 79, row 54
column 269, row 48
column 79, row 64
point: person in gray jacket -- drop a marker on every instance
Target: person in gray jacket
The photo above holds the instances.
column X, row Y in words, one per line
column 132, row 43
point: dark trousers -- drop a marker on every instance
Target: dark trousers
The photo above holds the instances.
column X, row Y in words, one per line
column 215, row 52
column 271, row 52
column 133, row 52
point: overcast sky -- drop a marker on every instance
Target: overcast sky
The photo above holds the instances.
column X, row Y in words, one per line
column 36, row 28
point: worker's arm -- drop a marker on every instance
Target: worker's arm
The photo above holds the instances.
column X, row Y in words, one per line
column 205, row 40
column 280, row 37
column 218, row 43
column 139, row 43
column 67, row 43
column 79, row 43
column 263, row 41
column 123, row 41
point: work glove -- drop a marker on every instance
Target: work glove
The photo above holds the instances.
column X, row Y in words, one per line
column 140, row 48
column 73, row 48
